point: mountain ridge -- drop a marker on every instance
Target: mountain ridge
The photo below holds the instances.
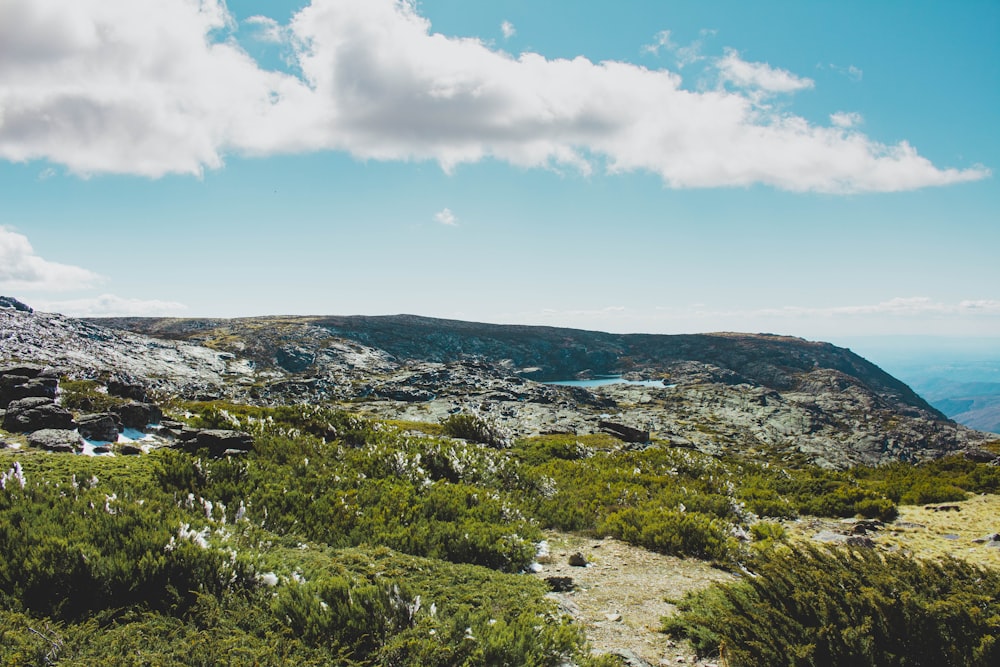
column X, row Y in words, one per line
column 712, row 392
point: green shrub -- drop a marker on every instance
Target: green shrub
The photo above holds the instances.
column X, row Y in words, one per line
column 818, row 607
column 475, row 428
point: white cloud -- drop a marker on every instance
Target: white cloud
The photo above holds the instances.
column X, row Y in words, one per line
column 109, row 305
column 508, row 30
column 759, row 76
column 661, row 40
column 898, row 307
column 267, row 29
column 159, row 86
column 851, row 72
column 845, row 119
column 22, row 269
column 446, row 217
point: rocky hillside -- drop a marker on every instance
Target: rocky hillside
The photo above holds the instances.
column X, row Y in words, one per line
column 712, row 392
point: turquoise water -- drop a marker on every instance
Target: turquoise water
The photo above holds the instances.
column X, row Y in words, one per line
column 612, row 379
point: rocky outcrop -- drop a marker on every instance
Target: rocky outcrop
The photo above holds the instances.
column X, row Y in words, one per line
column 19, row 381
column 138, row 415
column 712, row 392
column 36, row 413
column 56, row 440
column 218, row 442
column 100, row 427
column 10, row 303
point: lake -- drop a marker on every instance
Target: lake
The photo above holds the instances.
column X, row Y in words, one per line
column 602, row 380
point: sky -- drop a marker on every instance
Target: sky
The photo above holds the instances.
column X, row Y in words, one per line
column 818, row 169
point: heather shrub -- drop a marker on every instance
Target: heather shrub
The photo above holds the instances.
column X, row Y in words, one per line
column 831, row 607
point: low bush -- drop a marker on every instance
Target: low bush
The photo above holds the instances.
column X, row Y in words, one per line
column 475, row 428
column 818, row 607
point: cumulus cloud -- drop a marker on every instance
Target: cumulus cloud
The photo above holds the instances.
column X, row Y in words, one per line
column 267, row 29
column 508, row 30
column 161, row 86
column 446, row 217
column 109, row 305
column 22, row 269
column 661, row 40
column 759, row 76
column 846, row 119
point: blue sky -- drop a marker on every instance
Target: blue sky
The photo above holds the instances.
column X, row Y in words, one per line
column 818, row 169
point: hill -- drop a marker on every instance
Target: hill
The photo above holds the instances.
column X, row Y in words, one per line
column 712, row 392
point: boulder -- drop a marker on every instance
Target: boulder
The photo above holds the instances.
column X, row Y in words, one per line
column 128, row 449
column 124, row 388
column 36, row 413
column 219, row 442
column 25, row 383
column 56, row 440
column 405, row 394
column 624, row 433
column 560, row 584
column 138, row 415
column 102, row 427
column 294, row 359
column 9, row 302
column 980, row 455
column 27, row 370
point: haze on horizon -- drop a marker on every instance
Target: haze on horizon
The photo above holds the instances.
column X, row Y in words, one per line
column 823, row 171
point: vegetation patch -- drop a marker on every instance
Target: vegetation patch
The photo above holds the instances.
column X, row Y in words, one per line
column 811, row 606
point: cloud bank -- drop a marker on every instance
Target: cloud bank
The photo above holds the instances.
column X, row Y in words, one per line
column 154, row 87
column 109, row 305
column 22, row 269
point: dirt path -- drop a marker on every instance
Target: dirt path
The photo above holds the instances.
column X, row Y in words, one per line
column 621, row 595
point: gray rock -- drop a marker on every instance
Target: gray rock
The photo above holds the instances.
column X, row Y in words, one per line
column 294, row 359
column 15, row 386
column 127, row 389
column 218, row 442
column 629, row 658
column 11, row 303
column 980, row 455
column 36, row 413
column 560, row 584
column 128, row 449
column 138, row 415
column 56, row 440
column 102, row 427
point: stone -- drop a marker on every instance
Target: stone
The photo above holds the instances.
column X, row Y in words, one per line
column 578, row 560
column 15, row 386
column 560, row 584
column 128, row 449
column 219, row 442
column 980, row 455
column 138, row 415
column 127, row 389
column 56, row 440
column 294, row 359
column 36, row 413
column 629, row 658
column 11, row 303
column 101, row 427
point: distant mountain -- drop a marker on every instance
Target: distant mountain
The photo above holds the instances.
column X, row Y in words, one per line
column 958, row 376
column 713, row 392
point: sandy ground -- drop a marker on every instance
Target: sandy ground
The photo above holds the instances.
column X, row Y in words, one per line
column 622, row 593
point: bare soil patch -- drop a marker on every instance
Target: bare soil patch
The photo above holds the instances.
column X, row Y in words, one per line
column 621, row 594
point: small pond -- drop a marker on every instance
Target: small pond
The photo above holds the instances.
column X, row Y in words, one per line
column 602, row 380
